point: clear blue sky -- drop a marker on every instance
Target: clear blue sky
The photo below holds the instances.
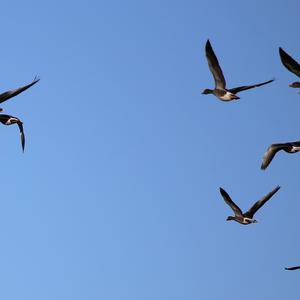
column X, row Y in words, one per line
column 116, row 196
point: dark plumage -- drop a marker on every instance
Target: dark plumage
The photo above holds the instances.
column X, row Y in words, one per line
column 247, row 217
column 291, row 65
column 9, row 120
column 293, row 268
column 12, row 93
column 291, row 147
column 220, row 90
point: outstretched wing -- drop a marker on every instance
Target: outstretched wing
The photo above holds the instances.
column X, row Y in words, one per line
column 22, row 135
column 257, row 205
column 293, row 268
column 214, row 66
column 247, row 87
column 12, row 93
column 270, row 153
column 237, row 211
column 289, row 62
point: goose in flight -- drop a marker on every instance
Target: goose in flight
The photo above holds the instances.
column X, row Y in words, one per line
column 12, row 93
column 291, row 147
column 291, row 65
column 9, row 120
column 247, row 217
column 220, row 90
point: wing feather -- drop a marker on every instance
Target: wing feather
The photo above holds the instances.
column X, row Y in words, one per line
column 214, row 66
column 247, row 87
column 237, row 211
column 270, row 153
column 289, row 62
column 12, row 93
column 257, row 205
column 22, row 135
column 293, row 268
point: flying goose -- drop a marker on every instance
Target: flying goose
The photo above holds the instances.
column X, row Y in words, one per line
column 291, row 65
column 220, row 90
column 9, row 120
column 12, row 93
column 293, row 268
column 291, row 147
column 247, row 217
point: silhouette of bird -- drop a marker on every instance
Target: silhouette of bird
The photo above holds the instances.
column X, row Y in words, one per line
column 291, row 147
column 293, row 268
column 291, row 65
column 12, row 93
column 9, row 120
column 247, row 217
column 220, row 90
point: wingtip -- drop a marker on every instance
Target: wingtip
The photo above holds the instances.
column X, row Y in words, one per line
column 36, row 78
column 222, row 191
column 208, row 44
column 282, row 53
column 270, row 81
column 276, row 189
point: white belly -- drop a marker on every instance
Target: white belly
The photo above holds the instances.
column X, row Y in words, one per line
column 295, row 149
column 247, row 220
column 228, row 96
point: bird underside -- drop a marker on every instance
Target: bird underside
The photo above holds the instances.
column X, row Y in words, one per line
column 246, row 221
column 295, row 149
column 228, row 96
column 249, row 221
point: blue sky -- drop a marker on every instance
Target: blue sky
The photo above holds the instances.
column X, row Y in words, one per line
column 116, row 196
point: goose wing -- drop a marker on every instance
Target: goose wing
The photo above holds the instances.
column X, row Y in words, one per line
column 293, row 268
column 22, row 135
column 9, row 120
column 237, row 211
column 12, row 93
column 257, row 205
column 289, row 62
column 247, row 87
column 271, row 152
column 214, row 66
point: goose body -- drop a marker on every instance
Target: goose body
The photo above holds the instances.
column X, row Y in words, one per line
column 247, row 217
column 220, row 90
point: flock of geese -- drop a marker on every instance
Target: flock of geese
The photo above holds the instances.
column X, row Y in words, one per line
column 222, row 93
column 8, row 119
column 225, row 94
